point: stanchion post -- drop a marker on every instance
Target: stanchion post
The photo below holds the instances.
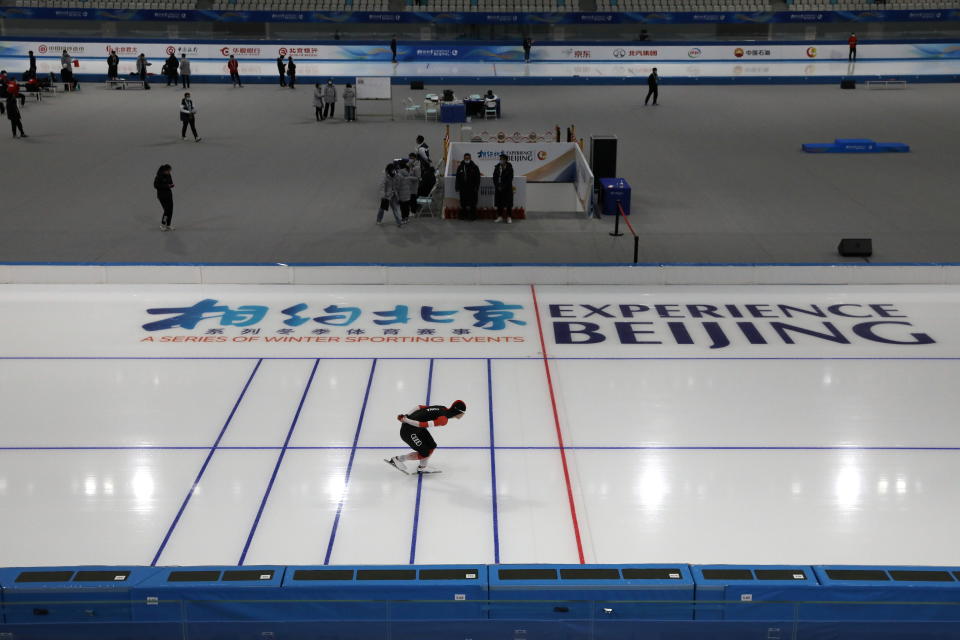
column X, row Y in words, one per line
column 616, row 222
column 636, row 249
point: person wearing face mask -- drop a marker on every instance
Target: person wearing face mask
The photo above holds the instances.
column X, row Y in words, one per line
column 188, row 116
column 402, row 182
column 468, row 185
column 113, row 61
column 318, row 102
column 350, row 103
column 329, row 99
column 503, row 189
column 388, row 194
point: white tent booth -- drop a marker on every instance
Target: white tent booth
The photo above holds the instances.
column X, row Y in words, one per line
column 548, row 177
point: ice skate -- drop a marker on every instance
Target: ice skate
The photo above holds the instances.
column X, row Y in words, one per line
column 428, row 470
column 397, row 464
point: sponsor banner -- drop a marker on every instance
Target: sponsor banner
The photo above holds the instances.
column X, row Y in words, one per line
column 333, row 17
column 481, row 321
column 751, row 322
column 537, row 161
column 638, row 56
column 271, row 321
column 650, row 54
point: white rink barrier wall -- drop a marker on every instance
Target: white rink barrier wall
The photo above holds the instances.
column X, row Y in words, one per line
column 476, row 274
column 88, row 51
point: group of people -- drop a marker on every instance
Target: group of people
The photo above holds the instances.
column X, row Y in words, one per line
column 404, row 180
column 287, row 71
column 176, row 70
column 467, row 184
column 325, row 101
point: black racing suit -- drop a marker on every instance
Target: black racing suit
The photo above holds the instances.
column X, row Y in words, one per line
column 418, row 437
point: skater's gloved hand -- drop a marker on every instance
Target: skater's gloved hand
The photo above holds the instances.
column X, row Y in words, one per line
column 440, row 421
column 401, row 417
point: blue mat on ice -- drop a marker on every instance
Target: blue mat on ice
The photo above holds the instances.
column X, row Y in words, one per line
column 855, row 145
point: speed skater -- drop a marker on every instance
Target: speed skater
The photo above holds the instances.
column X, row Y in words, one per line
column 413, row 431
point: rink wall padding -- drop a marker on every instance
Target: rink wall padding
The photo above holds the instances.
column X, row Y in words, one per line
column 483, row 274
column 408, row 601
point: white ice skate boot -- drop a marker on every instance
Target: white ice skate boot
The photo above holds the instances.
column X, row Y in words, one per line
column 397, row 463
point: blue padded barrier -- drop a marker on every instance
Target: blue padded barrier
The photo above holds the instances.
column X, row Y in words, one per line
column 441, row 592
column 53, row 595
column 206, row 593
column 936, row 590
column 855, row 145
column 598, row 592
column 752, row 592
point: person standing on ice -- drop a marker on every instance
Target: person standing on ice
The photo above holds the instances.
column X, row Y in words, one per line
column 413, row 431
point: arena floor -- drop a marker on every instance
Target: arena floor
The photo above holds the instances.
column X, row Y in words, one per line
column 717, row 176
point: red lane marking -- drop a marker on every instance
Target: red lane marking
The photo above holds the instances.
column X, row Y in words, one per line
column 556, row 422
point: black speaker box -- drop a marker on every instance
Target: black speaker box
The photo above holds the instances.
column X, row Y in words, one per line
column 856, row 247
column 448, row 95
column 847, row 83
column 603, row 156
column 416, row 85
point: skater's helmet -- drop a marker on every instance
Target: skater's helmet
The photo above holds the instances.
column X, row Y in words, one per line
column 458, row 407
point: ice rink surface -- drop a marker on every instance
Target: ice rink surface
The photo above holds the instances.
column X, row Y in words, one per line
column 242, row 425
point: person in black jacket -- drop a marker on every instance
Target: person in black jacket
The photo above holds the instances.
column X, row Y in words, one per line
column 171, row 66
column 188, row 116
column 13, row 114
column 503, row 189
column 292, row 72
column 281, row 71
column 653, row 85
column 413, row 431
column 393, row 48
column 32, row 68
column 163, row 183
column 527, row 45
column 468, row 184
column 113, row 61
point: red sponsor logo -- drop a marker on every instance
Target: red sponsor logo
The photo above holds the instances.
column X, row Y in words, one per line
column 171, row 50
column 302, row 51
column 738, row 52
column 282, row 51
column 225, row 51
column 811, row 52
column 541, row 155
column 42, row 48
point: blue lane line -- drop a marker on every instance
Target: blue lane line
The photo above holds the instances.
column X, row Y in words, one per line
column 276, row 468
column 652, row 447
column 196, row 482
column 416, row 506
column 493, row 467
column 353, row 453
